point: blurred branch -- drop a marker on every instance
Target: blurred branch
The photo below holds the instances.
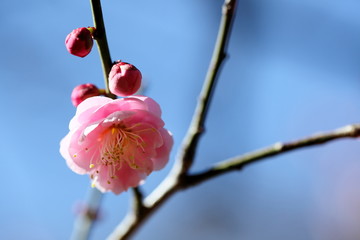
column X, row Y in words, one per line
column 138, row 206
column 177, row 177
column 238, row 162
column 87, row 215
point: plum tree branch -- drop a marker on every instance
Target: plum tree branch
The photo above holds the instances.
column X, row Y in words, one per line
column 179, row 178
column 238, row 162
column 197, row 128
column 102, row 43
column 175, row 180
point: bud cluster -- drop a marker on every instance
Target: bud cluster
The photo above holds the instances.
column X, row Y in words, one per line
column 124, row 78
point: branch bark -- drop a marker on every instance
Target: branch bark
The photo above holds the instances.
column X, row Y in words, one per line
column 177, row 177
column 102, row 43
column 172, row 184
column 238, row 162
column 197, row 126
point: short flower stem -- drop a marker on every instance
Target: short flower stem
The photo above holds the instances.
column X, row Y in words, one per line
column 100, row 37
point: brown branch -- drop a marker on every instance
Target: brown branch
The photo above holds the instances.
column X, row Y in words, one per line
column 238, row 162
column 173, row 184
column 179, row 178
column 102, row 43
column 174, row 181
column 138, row 205
column 189, row 146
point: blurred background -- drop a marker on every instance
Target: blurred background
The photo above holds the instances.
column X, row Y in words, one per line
column 293, row 70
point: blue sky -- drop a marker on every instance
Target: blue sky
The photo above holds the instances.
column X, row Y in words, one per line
column 293, row 70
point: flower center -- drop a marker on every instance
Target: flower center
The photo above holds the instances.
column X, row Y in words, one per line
column 119, row 145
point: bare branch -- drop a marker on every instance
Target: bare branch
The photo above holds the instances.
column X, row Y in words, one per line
column 179, row 178
column 138, row 206
column 238, row 162
column 174, row 181
column 188, row 150
column 100, row 37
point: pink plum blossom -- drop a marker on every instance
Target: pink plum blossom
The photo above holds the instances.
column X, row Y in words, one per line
column 124, row 79
column 117, row 142
column 80, row 41
column 82, row 92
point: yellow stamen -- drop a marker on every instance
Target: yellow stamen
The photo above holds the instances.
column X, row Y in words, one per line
column 119, row 145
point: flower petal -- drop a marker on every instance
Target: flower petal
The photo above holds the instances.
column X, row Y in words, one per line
column 142, row 116
column 125, row 178
column 83, row 151
column 163, row 152
column 86, row 109
column 64, row 151
column 118, row 142
column 152, row 106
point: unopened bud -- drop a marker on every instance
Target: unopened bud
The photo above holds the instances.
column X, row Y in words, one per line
column 124, row 79
column 80, row 41
column 82, row 92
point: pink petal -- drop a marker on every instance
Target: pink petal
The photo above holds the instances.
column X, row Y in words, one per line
column 93, row 102
column 83, row 151
column 152, row 106
column 163, row 152
column 64, row 151
column 138, row 160
column 141, row 116
column 105, row 110
column 87, row 109
column 124, row 179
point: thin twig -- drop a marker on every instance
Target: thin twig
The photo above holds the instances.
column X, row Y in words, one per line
column 238, row 162
column 189, row 146
column 173, row 182
column 103, row 47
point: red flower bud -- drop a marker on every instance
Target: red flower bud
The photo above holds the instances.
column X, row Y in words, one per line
column 82, row 92
column 124, row 79
column 80, row 41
